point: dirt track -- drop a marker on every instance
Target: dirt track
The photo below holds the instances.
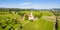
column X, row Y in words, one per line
column 50, row 18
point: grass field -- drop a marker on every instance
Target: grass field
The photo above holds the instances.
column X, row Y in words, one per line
column 58, row 22
column 11, row 21
column 40, row 24
column 59, row 25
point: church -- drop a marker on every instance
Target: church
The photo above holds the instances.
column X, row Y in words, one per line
column 30, row 16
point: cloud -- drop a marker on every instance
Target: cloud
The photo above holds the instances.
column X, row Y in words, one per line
column 26, row 3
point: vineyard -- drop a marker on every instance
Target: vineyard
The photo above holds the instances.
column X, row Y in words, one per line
column 19, row 20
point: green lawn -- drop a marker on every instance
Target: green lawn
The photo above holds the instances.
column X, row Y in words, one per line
column 40, row 24
column 10, row 21
column 58, row 24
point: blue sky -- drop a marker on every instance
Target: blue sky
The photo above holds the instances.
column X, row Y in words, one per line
column 36, row 4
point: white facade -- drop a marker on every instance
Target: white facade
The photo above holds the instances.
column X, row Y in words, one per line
column 30, row 16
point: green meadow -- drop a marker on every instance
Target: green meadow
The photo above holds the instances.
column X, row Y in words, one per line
column 13, row 20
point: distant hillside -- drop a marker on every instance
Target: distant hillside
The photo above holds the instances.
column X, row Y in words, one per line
column 18, row 9
column 56, row 9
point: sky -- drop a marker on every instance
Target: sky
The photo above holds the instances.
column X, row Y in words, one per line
column 27, row 4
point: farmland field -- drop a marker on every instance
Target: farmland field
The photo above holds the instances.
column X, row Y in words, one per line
column 14, row 21
column 57, row 12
